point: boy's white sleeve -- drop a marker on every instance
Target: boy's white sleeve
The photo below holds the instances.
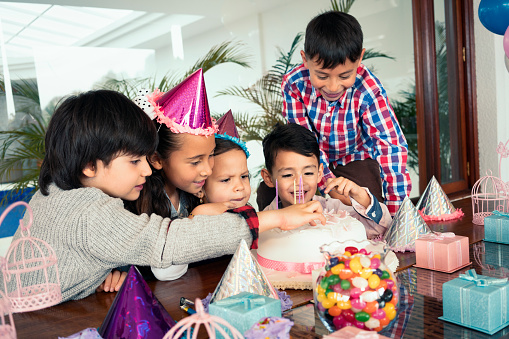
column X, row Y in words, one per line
column 170, row 273
column 376, row 211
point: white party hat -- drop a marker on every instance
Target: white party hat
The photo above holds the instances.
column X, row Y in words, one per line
column 243, row 274
column 407, row 225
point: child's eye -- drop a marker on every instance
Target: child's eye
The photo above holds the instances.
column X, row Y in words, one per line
column 322, row 78
column 225, row 180
column 286, row 175
column 309, row 173
column 344, row 78
column 196, row 163
column 134, row 162
column 246, row 176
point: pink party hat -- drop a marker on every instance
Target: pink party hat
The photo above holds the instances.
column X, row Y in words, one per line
column 228, row 131
column 243, row 274
column 407, row 225
column 185, row 108
column 434, row 204
column 136, row 312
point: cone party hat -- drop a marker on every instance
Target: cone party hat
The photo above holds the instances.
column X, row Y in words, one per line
column 228, row 131
column 243, row 274
column 183, row 109
column 435, row 205
column 136, row 312
column 407, row 225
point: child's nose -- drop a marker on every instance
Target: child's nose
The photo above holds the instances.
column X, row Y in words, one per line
column 206, row 170
column 146, row 170
column 239, row 186
column 334, row 85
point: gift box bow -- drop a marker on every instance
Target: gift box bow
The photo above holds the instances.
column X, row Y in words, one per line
column 471, row 275
column 437, row 236
column 249, row 301
column 501, row 214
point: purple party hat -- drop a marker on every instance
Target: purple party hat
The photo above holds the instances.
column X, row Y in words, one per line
column 434, row 204
column 243, row 274
column 407, row 225
column 228, row 131
column 136, row 312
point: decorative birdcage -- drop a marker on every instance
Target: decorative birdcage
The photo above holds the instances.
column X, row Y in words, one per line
column 7, row 329
column 29, row 270
column 488, row 194
column 210, row 322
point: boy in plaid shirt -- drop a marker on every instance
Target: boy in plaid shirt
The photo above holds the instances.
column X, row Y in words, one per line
column 335, row 96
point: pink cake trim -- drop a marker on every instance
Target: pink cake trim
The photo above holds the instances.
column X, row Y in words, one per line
column 301, row 267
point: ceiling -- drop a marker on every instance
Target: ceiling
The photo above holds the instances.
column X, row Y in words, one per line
column 113, row 23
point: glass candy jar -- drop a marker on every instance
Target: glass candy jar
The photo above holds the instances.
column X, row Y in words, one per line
column 356, row 288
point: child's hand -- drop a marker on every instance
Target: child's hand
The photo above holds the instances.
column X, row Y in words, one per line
column 113, row 282
column 212, row 208
column 291, row 217
column 342, row 189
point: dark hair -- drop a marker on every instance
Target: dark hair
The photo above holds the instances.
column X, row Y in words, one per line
column 333, row 37
column 290, row 137
column 91, row 126
column 225, row 145
column 153, row 198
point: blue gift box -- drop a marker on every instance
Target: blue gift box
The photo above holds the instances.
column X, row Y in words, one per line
column 496, row 254
column 477, row 302
column 496, row 227
column 245, row 309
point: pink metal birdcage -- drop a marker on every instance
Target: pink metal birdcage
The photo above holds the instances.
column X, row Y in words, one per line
column 210, row 322
column 7, row 329
column 29, row 270
column 488, row 194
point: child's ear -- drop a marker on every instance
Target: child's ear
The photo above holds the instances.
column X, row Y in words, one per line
column 320, row 172
column 89, row 170
column 155, row 161
column 304, row 60
column 360, row 59
column 267, row 178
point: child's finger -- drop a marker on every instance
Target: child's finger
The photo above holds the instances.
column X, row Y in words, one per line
column 107, row 283
column 114, row 279
column 120, row 281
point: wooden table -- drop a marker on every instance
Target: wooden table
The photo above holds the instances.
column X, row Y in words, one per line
column 202, row 278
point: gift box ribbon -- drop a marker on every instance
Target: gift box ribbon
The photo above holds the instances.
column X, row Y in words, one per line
column 471, row 275
column 501, row 214
column 498, row 224
column 248, row 301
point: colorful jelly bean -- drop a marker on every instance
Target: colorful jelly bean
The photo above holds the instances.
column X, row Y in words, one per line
column 366, row 273
column 365, row 262
column 327, row 303
column 351, row 249
column 345, row 284
column 333, row 261
column 334, row 311
column 373, row 281
column 385, row 275
column 372, row 323
column 359, row 324
column 375, row 263
column 363, row 251
column 378, row 272
column 358, row 303
column 387, row 296
column 344, row 305
column 355, row 265
column 378, row 314
column 370, row 307
column 362, row 316
column 355, row 293
column 369, row 296
column 345, row 274
column 333, row 280
column 390, row 283
column 348, row 315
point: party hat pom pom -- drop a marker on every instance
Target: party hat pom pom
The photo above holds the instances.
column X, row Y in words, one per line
column 434, row 204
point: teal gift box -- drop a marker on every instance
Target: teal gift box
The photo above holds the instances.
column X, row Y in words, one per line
column 477, row 302
column 496, row 228
column 496, row 254
column 243, row 310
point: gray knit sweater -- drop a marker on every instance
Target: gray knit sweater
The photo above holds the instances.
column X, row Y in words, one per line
column 92, row 233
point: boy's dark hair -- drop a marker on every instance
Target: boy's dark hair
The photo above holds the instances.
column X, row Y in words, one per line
column 333, row 37
column 91, row 126
column 290, row 137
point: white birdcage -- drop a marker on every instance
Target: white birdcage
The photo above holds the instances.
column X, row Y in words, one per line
column 488, row 194
column 29, row 270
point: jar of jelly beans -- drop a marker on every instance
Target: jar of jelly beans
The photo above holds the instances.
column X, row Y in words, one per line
column 355, row 288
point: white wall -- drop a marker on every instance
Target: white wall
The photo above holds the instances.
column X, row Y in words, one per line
column 492, row 97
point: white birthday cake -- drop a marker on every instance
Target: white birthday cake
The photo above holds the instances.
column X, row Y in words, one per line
column 289, row 257
column 299, row 249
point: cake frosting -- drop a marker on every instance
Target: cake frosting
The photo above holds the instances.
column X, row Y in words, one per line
column 298, row 250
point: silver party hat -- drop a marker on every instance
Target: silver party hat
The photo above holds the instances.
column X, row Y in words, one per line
column 407, row 225
column 435, row 205
column 243, row 274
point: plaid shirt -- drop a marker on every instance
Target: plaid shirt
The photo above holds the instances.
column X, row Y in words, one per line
column 359, row 125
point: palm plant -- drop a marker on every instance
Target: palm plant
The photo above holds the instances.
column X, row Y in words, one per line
column 22, row 147
column 226, row 52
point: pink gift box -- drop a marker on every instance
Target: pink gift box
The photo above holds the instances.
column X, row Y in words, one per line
column 444, row 252
column 350, row 332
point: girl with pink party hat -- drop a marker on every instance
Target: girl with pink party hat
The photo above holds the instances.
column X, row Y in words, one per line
column 183, row 160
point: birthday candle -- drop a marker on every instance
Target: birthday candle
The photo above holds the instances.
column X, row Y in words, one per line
column 277, row 197
column 300, row 191
column 294, row 192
